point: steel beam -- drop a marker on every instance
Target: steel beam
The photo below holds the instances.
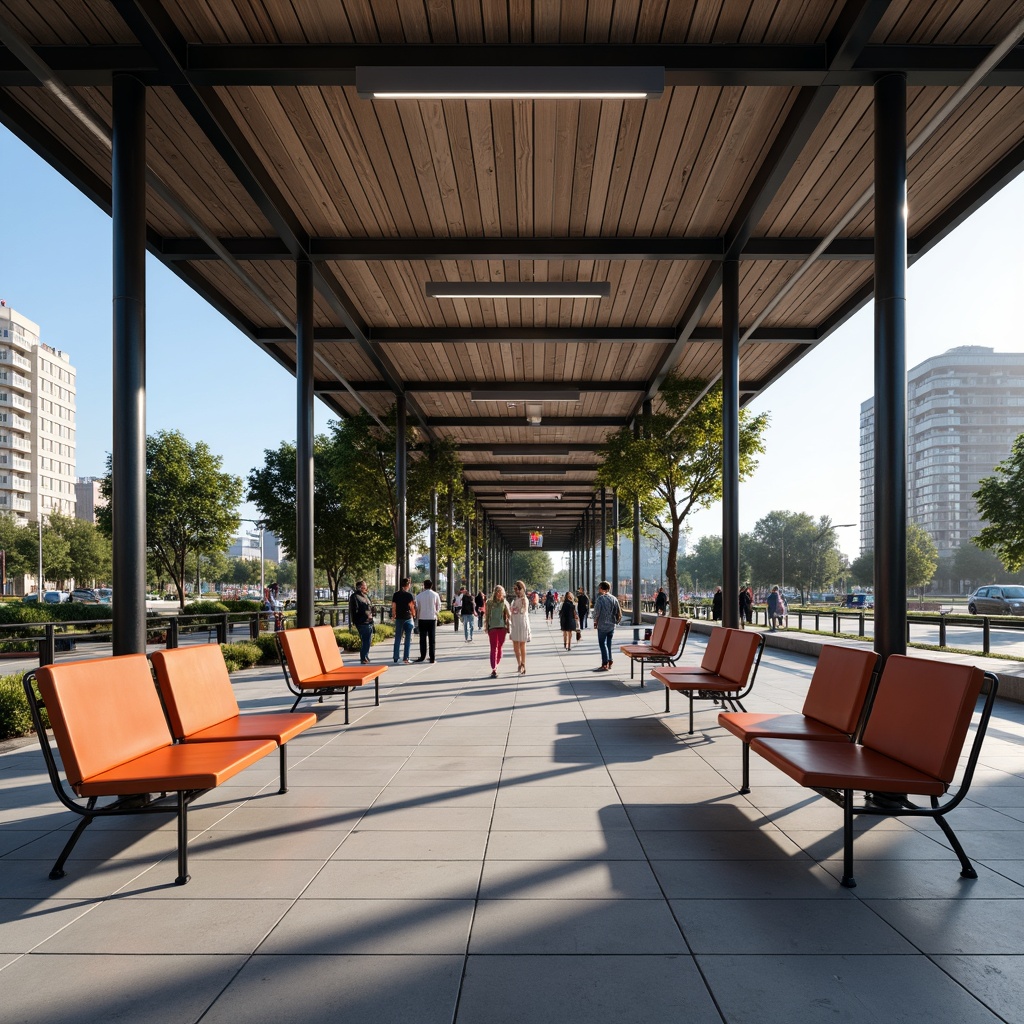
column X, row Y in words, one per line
column 730, row 443
column 304, row 439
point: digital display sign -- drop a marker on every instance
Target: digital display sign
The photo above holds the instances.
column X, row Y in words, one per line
column 536, row 539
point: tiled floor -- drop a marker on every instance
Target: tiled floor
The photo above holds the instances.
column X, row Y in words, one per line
column 540, row 848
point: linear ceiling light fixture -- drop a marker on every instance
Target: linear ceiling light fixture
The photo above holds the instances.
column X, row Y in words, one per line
column 528, row 450
column 525, row 395
column 509, row 82
column 532, row 471
column 533, row 495
column 533, row 413
column 518, row 289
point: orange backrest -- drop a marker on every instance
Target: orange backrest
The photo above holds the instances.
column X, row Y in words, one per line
column 717, row 642
column 326, row 644
column 674, row 635
column 739, row 655
column 104, row 712
column 300, row 653
column 660, row 629
column 195, row 686
column 922, row 712
column 839, row 686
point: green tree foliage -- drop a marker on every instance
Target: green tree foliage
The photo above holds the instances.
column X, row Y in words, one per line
column 922, row 558
column 533, row 567
column 19, row 560
column 351, row 533
column 862, row 569
column 703, row 563
column 191, row 505
column 1001, row 504
column 56, row 553
column 975, row 566
column 795, row 549
column 675, row 469
column 89, row 551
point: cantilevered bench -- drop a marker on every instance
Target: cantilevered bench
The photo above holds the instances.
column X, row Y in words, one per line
column 833, row 710
column 665, row 646
column 305, row 669
column 201, row 706
column 113, row 740
column 732, row 682
column 911, row 745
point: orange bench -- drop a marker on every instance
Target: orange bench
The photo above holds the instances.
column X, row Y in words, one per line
column 833, row 709
column 312, row 664
column 911, row 745
column 664, row 648
column 114, row 741
column 201, row 706
column 738, row 661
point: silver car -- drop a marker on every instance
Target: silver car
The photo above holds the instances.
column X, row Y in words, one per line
column 997, row 600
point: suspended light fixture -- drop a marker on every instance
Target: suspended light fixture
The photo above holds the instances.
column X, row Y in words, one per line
column 518, row 289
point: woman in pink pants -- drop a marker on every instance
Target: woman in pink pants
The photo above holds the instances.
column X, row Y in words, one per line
column 497, row 619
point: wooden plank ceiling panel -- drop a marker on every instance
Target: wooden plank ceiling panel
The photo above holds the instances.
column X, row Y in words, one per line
column 947, row 22
column 757, row 361
column 701, row 359
column 69, row 23
column 347, row 359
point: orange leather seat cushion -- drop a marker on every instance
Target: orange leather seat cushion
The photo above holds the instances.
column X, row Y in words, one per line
column 277, row 726
column 747, row 726
column 845, row 766
column 181, row 766
column 645, row 651
column 690, row 679
column 355, row 675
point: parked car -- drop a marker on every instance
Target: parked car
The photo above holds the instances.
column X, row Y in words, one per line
column 85, row 595
column 997, row 600
column 49, row 597
column 105, row 594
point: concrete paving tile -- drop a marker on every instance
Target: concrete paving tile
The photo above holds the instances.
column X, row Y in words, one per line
column 25, row 923
column 33, row 819
column 556, row 796
column 956, row 926
column 845, row 989
column 303, row 776
column 84, row 880
column 87, row 989
column 599, row 990
column 565, row 880
column 827, row 817
column 674, row 796
column 747, row 880
column 395, row 796
column 566, row 926
column 445, row 781
column 266, row 845
column 704, row 817
column 396, row 879
column 226, row 879
column 581, row 819
column 131, row 846
column 378, row 845
column 567, row 845
column 883, row 844
column 426, row 819
column 1013, row 869
column 629, row 775
column 907, row 879
column 998, row 981
column 312, row 796
column 559, row 775
column 21, row 843
column 761, row 844
column 128, row 926
column 372, row 926
column 791, row 926
column 998, row 796
column 341, row 990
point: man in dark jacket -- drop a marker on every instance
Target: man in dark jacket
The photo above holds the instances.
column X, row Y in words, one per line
column 661, row 602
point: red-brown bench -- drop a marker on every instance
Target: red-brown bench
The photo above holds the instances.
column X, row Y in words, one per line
column 912, row 742
column 664, row 648
column 113, row 740
column 201, row 706
column 305, row 656
column 734, row 679
column 833, row 709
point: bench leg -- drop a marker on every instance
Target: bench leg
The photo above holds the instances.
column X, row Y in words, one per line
column 690, row 695
column 284, row 769
column 376, row 692
column 183, row 875
column 966, row 868
column 667, row 692
column 641, row 671
column 745, row 788
column 57, row 871
column 630, row 668
column 297, row 699
column 848, row 881
column 347, row 688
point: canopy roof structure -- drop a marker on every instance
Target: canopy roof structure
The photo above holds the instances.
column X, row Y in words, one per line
column 265, row 147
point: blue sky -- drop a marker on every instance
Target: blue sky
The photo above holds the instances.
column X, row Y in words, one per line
column 210, row 382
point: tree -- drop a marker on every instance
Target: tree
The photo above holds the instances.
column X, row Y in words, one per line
column 974, row 566
column 533, row 567
column 191, row 505
column 1001, row 504
column 793, row 548
column 89, row 552
column 704, row 563
column 12, row 541
column 862, row 569
column 674, row 467
column 351, row 535
column 922, row 558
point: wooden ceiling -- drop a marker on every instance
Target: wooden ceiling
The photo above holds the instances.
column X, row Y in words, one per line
column 261, row 153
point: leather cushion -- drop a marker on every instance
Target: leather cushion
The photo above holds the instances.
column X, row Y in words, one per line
column 195, row 686
column 746, row 726
column 839, row 686
column 277, row 726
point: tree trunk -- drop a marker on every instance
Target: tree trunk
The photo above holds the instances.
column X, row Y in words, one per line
column 671, row 570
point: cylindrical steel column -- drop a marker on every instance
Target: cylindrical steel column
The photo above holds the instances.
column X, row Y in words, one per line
column 451, row 543
column 635, row 618
column 890, row 365
column 401, row 491
column 433, row 536
column 604, row 534
column 304, row 377
column 615, row 542
column 128, row 453
column 730, row 443
column 469, row 554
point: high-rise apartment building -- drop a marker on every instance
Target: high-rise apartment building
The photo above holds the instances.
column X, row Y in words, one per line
column 964, row 410
column 88, row 497
column 37, row 422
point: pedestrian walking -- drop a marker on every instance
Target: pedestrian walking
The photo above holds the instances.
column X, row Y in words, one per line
column 716, row 604
column 661, row 602
column 498, row 619
column 773, row 608
column 428, row 607
column 607, row 615
column 468, row 615
column 583, row 607
column 568, row 620
column 360, row 615
column 480, row 602
column 549, row 606
column 746, row 606
column 403, row 612
column 520, row 628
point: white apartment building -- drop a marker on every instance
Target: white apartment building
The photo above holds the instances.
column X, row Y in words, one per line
column 88, row 497
column 37, row 422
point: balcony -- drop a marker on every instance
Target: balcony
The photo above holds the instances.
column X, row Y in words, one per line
column 12, row 379
column 20, row 444
column 9, row 356
column 19, row 341
column 20, row 423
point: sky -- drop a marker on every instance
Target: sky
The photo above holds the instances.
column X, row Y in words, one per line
column 208, row 380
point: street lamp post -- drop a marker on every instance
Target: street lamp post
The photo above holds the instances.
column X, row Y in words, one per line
column 261, row 526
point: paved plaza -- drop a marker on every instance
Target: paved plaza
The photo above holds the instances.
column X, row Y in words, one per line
column 539, row 848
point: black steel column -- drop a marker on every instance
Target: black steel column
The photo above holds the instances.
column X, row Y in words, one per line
column 890, row 365
column 401, row 491
column 451, row 544
column 485, row 538
column 304, row 367
column 604, row 535
column 730, row 443
column 615, row 542
column 635, row 618
column 128, row 457
column 469, row 553
column 433, row 536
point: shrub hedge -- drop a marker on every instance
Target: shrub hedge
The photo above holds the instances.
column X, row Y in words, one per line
column 241, row 655
column 15, row 719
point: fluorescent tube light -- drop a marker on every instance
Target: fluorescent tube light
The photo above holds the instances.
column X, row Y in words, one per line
column 525, row 395
column 505, row 82
column 533, row 495
column 518, row 289
column 532, row 471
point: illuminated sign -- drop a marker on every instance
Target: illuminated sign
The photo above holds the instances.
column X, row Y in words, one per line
column 536, row 539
